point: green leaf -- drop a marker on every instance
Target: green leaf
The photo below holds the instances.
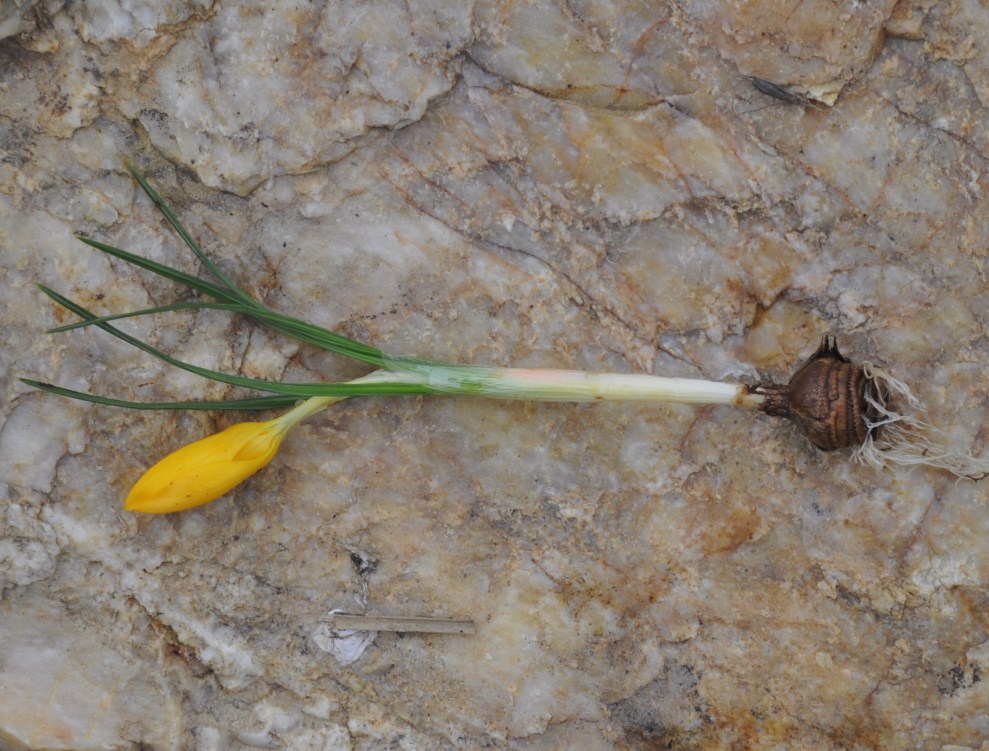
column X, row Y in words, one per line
column 186, row 237
column 192, row 305
column 297, row 328
column 201, row 285
column 234, row 300
column 251, row 403
column 297, row 389
column 317, row 335
column 230, row 293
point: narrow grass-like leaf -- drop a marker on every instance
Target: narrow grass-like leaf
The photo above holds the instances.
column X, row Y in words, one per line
column 401, row 385
column 297, row 328
column 302, row 330
column 250, row 403
column 201, row 285
column 192, row 305
column 230, row 298
column 187, row 238
column 317, row 335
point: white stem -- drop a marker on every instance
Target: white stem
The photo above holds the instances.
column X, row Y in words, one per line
column 538, row 384
column 571, row 385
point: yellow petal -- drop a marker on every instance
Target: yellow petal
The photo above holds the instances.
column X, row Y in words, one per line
column 203, row 471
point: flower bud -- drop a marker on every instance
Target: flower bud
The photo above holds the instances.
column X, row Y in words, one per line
column 206, row 469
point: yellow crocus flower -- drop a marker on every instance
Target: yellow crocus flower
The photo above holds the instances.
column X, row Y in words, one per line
column 206, row 469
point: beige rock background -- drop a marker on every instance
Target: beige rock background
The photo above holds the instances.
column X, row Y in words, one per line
column 589, row 185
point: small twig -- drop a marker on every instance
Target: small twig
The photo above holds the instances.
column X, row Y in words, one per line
column 407, row 624
column 783, row 93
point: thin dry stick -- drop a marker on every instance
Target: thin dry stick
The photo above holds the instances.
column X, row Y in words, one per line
column 404, row 624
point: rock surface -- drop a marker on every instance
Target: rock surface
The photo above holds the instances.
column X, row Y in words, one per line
column 580, row 185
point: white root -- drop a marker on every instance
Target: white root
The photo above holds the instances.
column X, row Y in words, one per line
column 904, row 439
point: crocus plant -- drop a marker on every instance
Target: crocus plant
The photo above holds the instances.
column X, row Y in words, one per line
column 836, row 403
